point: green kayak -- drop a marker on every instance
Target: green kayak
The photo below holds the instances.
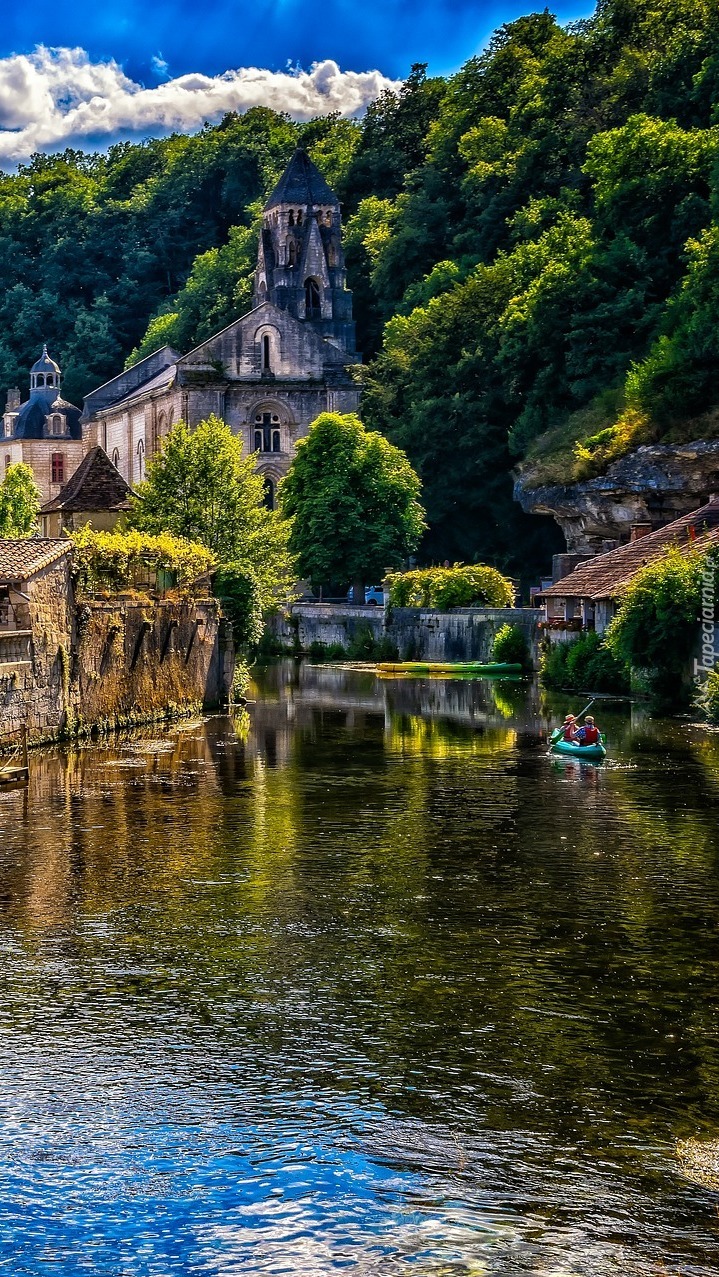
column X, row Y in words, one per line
column 586, row 753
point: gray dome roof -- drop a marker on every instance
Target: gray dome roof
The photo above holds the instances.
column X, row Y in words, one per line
column 45, row 364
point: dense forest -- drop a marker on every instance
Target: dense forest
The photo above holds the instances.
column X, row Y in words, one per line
column 533, row 245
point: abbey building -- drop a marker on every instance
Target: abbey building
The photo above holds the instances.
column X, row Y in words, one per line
column 268, row 374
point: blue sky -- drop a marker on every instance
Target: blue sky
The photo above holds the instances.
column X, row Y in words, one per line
column 88, row 72
column 192, row 36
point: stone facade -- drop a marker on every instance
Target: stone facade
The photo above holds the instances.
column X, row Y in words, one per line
column 65, row 664
column 272, row 371
column 44, row 432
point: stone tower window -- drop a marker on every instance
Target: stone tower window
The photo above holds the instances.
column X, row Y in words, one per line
column 291, row 219
column 269, row 494
column 266, row 354
column 313, row 308
column 299, row 217
column 57, row 468
column 292, row 253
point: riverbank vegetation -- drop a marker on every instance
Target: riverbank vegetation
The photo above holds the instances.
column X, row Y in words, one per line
column 115, row 562
column 202, row 488
column 462, row 585
column 532, row 245
column 19, row 502
column 352, row 499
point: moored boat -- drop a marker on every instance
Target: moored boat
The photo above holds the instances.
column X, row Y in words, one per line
column 439, row 667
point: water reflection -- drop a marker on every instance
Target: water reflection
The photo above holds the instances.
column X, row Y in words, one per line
column 365, row 981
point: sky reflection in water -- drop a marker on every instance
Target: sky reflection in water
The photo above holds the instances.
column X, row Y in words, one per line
column 378, row 987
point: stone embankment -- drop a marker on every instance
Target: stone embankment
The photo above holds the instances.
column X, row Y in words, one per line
column 463, row 634
column 107, row 662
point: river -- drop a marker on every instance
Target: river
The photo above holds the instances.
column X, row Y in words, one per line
column 362, row 981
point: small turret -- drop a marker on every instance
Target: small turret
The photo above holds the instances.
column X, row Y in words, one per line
column 45, row 378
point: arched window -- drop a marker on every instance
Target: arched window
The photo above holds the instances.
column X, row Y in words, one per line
column 266, row 360
column 291, row 220
column 140, row 459
column 56, row 424
column 292, row 253
column 116, row 458
column 57, row 468
column 267, row 433
column 269, row 493
column 299, row 217
column 313, row 308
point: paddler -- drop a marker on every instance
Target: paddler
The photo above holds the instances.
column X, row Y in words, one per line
column 589, row 733
column 569, row 728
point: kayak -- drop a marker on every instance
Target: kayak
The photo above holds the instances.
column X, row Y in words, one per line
column 437, row 667
column 587, row 753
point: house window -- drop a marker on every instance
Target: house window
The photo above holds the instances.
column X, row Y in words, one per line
column 313, row 309
column 57, row 467
column 268, row 437
column 141, row 459
column 56, row 425
column 266, row 362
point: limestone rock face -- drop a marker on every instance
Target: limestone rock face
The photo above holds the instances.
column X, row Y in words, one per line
column 653, row 485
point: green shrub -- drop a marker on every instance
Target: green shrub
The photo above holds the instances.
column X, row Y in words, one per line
column 239, row 594
column 319, row 652
column 707, row 699
column 510, row 645
column 115, row 561
column 464, row 585
column 584, row 665
column 656, row 627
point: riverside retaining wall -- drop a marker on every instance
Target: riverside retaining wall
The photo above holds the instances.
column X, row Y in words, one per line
column 463, row 634
column 111, row 661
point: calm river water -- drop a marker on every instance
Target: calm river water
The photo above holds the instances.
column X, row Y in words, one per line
column 374, row 986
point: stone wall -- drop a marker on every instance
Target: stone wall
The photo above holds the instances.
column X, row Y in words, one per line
column 464, row 634
column 108, row 662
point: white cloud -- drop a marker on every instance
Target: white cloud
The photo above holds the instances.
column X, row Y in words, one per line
column 57, row 97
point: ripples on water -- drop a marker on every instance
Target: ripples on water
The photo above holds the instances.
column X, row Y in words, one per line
column 378, row 987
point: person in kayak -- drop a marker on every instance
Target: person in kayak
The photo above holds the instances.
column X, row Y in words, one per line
column 569, row 729
column 589, row 733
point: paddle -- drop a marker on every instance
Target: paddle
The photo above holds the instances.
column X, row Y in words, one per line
column 558, row 730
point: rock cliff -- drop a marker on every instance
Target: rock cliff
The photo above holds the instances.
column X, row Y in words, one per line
column 652, row 485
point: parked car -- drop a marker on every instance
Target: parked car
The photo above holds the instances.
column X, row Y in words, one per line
column 373, row 594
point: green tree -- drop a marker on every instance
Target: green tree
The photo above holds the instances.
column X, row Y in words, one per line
column 202, row 488
column 19, row 502
column 354, row 501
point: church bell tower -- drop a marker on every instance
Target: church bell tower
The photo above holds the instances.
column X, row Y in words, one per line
column 300, row 264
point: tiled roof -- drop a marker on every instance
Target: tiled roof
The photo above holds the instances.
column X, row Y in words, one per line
column 604, row 576
column 160, row 380
column 95, row 485
column 20, row 560
column 301, row 183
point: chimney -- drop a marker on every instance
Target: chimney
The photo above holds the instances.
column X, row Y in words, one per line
column 640, row 530
column 13, row 399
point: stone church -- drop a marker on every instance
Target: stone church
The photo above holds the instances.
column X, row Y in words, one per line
column 44, row 431
column 269, row 373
